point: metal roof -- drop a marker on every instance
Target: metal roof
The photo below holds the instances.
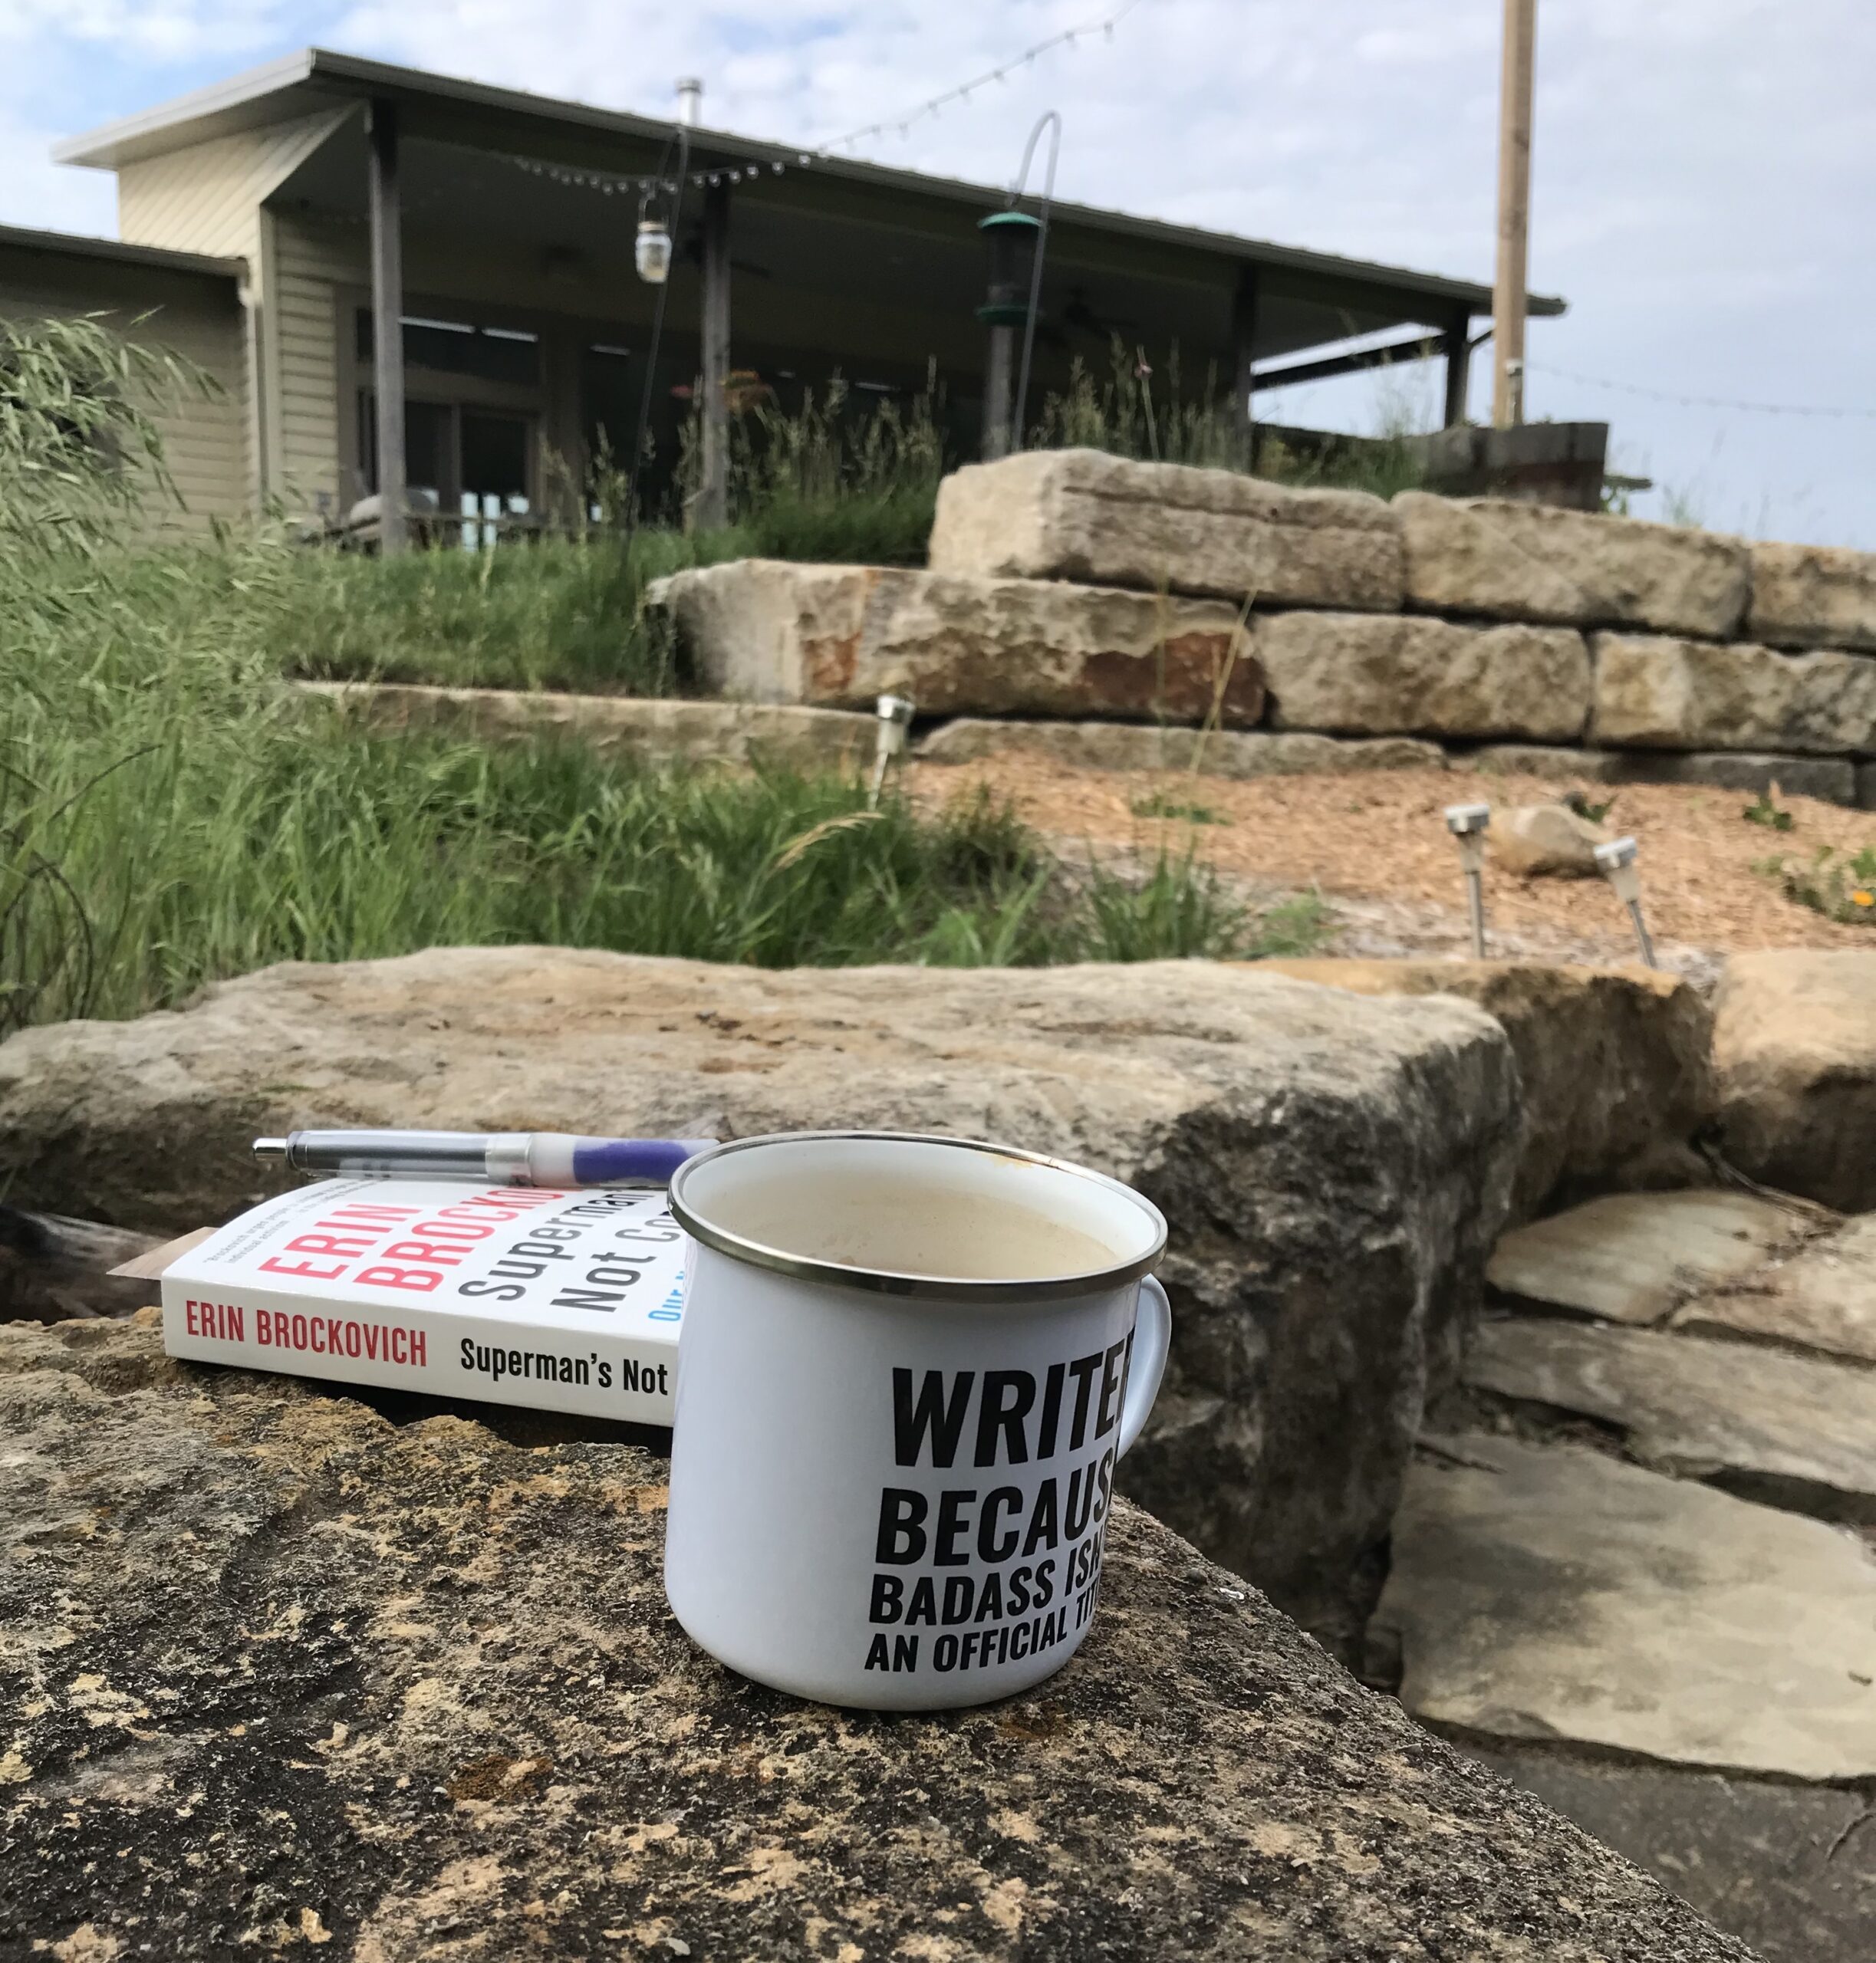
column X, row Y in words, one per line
column 72, row 245
column 579, row 134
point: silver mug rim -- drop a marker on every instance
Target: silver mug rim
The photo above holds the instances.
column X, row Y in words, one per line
column 924, row 1288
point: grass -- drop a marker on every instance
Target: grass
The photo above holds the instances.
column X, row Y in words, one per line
column 1159, row 805
column 553, row 613
column 171, row 814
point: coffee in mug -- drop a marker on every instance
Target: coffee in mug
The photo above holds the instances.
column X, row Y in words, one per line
column 908, row 1368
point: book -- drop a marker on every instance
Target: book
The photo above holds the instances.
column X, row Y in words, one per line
column 561, row 1301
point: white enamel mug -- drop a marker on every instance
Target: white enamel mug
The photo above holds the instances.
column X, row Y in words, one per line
column 907, row 1368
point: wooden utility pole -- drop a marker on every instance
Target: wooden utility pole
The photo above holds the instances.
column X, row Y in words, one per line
column 1514, row 211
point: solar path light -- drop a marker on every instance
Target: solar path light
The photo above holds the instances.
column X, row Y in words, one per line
column 890, row 735
column 1616, row 861
column 1468, row 823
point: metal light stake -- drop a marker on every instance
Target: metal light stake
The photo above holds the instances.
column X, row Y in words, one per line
column 1616, row 861
column 890, row 736
column 1467, row 824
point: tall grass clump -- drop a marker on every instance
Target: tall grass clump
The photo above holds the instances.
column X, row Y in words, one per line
column 550, row 613
column 1149, row 414
column 849, row 478
column 172, row 812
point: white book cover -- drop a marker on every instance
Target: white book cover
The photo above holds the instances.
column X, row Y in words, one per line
column 563, row 1301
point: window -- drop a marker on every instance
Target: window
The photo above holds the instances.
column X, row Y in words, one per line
column 460, row 347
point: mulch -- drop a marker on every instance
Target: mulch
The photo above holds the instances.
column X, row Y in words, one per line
column 1375, row 844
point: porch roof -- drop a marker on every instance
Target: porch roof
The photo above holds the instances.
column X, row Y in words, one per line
column 1163, row 282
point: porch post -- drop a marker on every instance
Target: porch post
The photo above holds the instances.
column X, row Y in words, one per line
column 713, row 507
column 1243, row 352
column 998, row 386
column 388, row 334
column 1456, row 346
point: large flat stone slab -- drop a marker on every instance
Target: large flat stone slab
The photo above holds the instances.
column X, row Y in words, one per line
column 1790, row 1869
column 1832, row 779
column 763, row 630
column 1812, row 596
column 1633, row 1257
column 1795, row 1048
column 1334, row 1169
column 1509, row 561
column 1613, row 1062
column 1081, row 514
column 1549, row 1592
column 1373, row 675
column 1784, row 1429
column 1236, row 754
column 411, row 1690
column 652, row 729
column 1823, row 1297
column 1654, row 693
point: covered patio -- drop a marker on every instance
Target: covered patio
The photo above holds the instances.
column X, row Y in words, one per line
column 487, row 236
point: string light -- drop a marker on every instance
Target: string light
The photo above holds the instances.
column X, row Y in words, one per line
column 612, row 183
column 1699, row 402
column 1068, row 38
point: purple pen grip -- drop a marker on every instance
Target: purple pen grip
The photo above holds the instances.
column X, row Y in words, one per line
column 605, row 1161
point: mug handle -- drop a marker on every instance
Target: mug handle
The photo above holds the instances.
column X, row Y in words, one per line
column 1152, row 1338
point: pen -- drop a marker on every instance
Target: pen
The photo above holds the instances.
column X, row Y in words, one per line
column 506, row 1158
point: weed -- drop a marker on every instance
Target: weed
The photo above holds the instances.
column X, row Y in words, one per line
column 1160, row 806
column 1765, row 810
column 1842, row 886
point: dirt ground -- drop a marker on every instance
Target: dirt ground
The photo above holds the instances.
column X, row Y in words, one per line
column 1374, row 845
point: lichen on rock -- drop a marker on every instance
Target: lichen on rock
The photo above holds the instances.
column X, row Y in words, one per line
column 277, row 1670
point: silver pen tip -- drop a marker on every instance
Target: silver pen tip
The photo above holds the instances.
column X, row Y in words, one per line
column 268, row 1148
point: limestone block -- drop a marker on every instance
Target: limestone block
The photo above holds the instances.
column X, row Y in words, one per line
column 424, row 1675
column 1553, row 1592
column 840, row 636
column 1080, row 515
column 1813, row 596
column 1791, row 1430
column 1830, row 779
column 1794, row 1046
column 1515, row 561
column 654, row 729
column 1658, row 693
column 1308, row 1328
column 1225, row 753
column 1823, row 1297
column 1787, row 1869
column 1614, row 1062
column 1369, row 675
column 1634, row 1257
column 1550, row 841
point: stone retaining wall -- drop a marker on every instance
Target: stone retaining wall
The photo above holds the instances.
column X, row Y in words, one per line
column 1074, row 586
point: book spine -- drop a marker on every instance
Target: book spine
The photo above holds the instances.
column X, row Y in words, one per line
column 482, row 1357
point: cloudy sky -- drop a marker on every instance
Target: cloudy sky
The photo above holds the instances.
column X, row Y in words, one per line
column 1705, row 173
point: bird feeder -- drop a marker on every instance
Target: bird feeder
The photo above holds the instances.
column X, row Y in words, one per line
column 1011, row 236
column 1468, row 823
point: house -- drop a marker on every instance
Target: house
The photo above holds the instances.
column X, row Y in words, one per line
column 272, row 220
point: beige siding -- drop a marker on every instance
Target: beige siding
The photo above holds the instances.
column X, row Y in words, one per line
column 309, row 260
column 210, row 197
column 207, row 198
column 197, row 316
